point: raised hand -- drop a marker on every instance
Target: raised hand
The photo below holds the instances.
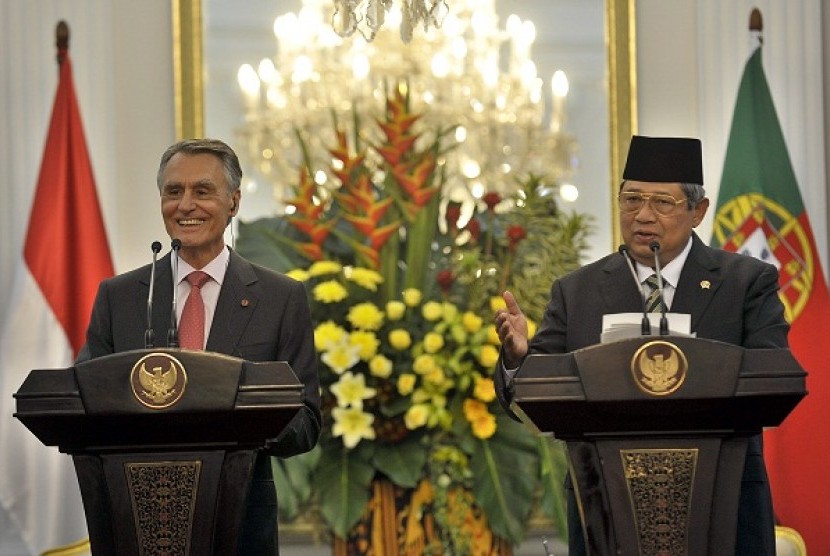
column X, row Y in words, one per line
column 511, row 325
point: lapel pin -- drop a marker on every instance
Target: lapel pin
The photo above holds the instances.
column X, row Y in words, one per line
column 244, row 302
column 704, row 284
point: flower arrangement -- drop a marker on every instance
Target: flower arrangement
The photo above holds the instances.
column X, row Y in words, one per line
column 403, row 286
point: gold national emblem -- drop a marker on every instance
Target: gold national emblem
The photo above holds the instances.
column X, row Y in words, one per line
column 158, row 380
column 659, row 368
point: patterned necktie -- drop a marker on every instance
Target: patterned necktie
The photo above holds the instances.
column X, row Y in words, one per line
column 653, row 302
column 192, row 325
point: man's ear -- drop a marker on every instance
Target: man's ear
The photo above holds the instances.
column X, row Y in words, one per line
column 700, row 211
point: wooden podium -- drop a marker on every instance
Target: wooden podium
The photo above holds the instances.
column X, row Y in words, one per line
column 163, row 442
column 656, row 429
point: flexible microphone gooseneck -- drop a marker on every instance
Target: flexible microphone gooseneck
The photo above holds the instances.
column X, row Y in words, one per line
column 645, row 326
column 149, row 334
column 173, row 332
column 664, row 322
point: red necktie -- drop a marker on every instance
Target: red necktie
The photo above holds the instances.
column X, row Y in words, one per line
column 192, row 325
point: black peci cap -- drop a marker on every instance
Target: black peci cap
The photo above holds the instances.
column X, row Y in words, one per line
column 664, row 159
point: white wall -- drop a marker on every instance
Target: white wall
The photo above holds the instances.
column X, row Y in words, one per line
column 691, row 55
column 122, row 67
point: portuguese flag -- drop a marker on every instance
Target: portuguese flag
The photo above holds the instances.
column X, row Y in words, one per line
column 760, row 213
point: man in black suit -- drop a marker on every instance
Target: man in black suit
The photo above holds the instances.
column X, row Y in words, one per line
column 250, row 312
column 731, row 298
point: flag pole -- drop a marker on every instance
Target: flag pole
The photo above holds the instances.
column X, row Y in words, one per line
column 756, row 24
column 62, row 40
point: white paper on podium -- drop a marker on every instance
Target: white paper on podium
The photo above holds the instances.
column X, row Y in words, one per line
column 621, row 326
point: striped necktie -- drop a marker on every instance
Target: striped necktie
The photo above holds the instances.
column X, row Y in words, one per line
column 653, row 302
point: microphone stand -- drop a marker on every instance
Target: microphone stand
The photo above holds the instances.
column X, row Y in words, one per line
column 149, row 334
column 664, row 322
column 173, row 332
column 645, row 325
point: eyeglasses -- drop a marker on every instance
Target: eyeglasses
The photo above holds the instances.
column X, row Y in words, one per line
column 661, row 203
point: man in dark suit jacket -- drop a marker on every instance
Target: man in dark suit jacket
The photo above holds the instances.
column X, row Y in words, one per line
column 251, row 312
column 731, row 298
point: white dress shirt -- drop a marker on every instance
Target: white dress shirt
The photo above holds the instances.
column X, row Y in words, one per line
column 210, row 291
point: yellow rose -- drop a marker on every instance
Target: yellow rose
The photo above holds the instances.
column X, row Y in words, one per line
column 365, row 316
column 473, row 409
column 395, row 310
column 380, row 366
column 412, row 297
column 298, row 274
column 432, row 310
column 435, row 376
column 484, row 426
column 484, row 389
column 493, row 335
column 366, row 342
column 330, row 291
column 321, row 268
column 416, row 416
column 364, row 277
column 488, row 356
column 328, row 334
column 496, row 303
column 423, row 364
column 450, row 311
column 400, row 339
column 471, row 322
column 406, row 384
column 433, row 342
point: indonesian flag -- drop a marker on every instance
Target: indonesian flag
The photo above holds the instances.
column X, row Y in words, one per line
column 760, row 213
column 65, row 257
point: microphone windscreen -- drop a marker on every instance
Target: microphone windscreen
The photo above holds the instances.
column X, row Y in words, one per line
column 176, row 244
column 156, row 247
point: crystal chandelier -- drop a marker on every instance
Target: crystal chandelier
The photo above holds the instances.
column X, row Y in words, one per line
column 368, row 16
column 455, row 77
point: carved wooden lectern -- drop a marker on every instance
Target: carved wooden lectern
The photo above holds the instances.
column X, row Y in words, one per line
column 656, row 429
column 163, row 442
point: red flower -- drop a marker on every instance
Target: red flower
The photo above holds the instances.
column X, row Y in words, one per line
column 491, row 199
column 445, row 280
column 452, row 216
column 515, row 234
column 474, row 227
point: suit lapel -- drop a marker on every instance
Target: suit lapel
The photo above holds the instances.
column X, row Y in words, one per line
column 236, row 304
column 618, row 289
column 699, row 282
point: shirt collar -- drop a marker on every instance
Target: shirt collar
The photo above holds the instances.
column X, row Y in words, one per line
column 670, row 272
column 215, row 269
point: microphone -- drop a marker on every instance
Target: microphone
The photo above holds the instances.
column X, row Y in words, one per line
column 148, row 334
column 173, row 332
column 664, row 323
column 645, row 326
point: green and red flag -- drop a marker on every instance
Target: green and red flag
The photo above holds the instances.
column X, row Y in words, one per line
column 760, row 213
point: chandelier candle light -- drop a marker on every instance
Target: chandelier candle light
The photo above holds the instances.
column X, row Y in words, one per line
column 454, row 75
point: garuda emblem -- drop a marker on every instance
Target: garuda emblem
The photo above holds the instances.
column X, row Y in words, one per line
column 659, row 368
column 158, row 380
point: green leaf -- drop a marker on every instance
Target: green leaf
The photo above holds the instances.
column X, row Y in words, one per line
column 504, row 476
column 553, row 468
column 342, row 479
column 256, row 242
column 403, row 463
column 292, row 480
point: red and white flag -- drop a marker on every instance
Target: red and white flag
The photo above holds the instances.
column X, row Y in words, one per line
column 65, row 256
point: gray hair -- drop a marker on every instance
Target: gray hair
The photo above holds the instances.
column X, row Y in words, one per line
column 230, row 162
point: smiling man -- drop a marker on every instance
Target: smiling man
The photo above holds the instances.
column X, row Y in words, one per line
column 730, row 297
column 243, row 309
